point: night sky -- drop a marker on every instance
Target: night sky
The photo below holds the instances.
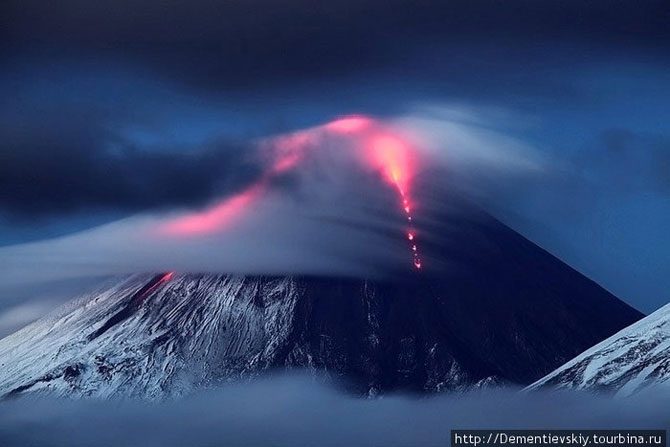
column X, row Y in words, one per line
column 121, row 108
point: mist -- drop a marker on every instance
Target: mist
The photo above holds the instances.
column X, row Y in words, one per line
column 300, row 411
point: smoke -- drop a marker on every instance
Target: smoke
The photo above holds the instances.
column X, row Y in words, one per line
column 297, row 411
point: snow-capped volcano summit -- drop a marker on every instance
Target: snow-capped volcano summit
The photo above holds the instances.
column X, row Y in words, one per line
column 631, row 360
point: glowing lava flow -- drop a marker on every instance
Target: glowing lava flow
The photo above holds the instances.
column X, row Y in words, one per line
column 168, row 276
column 394, row 158
column 411, row 234
column 390, row 154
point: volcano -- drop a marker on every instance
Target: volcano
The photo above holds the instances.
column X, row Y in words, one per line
column 498, row 310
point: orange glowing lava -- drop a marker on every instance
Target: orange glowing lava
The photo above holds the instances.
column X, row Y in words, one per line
column 394, row 158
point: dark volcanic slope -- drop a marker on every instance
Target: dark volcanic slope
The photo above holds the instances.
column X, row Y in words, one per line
column 433, row 334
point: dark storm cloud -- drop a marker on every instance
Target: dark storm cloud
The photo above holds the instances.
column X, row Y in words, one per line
column 58, row 158
column 213, row 44
column 69, row 157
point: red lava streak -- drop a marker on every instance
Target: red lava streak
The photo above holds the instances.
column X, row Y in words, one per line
column 397, row 162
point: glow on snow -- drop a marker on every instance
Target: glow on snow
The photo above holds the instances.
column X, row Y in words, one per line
column 382, row 149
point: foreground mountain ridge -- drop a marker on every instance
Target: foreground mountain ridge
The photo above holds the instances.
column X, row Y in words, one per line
column 630, row 361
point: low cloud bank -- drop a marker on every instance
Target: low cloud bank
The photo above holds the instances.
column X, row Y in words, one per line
column 297, row 411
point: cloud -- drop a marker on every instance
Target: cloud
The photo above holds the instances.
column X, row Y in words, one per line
column 60, row 158
column 297, row 411
column 468, row 138
column 326, row 202
column 212, row 46
column 23, row 303
column 19, row 316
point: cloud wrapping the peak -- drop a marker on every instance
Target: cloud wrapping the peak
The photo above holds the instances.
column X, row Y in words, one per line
column 317, row 204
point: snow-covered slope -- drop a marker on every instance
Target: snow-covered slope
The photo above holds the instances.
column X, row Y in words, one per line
column 151, row 336
column 158, row 336
column 633, row 359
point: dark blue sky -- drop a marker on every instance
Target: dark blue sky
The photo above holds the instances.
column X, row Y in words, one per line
column 105, row 103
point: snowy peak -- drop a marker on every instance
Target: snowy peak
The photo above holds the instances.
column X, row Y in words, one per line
column 631, row 360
